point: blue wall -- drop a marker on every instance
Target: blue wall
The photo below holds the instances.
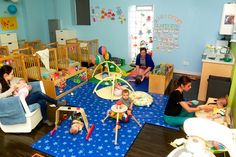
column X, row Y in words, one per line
column 201, row 20
column 19, row 15
column 36, row 15
column 32, row 17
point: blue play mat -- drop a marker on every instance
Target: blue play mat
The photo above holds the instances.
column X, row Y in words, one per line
column 140, row 87
column 101, row 142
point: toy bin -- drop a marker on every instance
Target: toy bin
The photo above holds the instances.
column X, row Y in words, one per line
column 158, row 82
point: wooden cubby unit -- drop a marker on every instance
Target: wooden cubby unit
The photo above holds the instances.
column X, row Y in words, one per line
column 50, row 85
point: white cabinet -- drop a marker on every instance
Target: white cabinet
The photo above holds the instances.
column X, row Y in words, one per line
column 63, row 35
column 10, row 40
column 228, row 19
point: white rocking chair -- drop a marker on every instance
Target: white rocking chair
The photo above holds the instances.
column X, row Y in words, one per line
column 32, row 112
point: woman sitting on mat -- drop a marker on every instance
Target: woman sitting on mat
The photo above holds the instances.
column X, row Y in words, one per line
column 144, row 64
column 177, row 110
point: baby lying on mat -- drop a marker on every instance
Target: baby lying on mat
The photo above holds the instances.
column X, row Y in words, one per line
column 77, row 123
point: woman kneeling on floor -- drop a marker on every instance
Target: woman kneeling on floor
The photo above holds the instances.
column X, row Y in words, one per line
column 177, row 109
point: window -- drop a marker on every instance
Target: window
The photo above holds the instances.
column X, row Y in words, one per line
column 141, row 24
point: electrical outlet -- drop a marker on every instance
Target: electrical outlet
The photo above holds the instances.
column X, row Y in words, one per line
column 186, row 62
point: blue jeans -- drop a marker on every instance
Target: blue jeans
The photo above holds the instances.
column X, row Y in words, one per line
column 41, row 99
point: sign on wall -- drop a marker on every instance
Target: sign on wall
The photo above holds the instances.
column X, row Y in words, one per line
column 166, row 32
column 8, row 23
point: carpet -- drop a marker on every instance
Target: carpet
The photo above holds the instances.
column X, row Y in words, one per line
column 138, row 87
column 126, row 68
column 101, row 142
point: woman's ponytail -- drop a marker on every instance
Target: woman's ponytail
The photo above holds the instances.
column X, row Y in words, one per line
column 183, row 80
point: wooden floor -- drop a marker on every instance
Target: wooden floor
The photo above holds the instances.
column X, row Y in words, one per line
column 18, row 145
column 153, row 141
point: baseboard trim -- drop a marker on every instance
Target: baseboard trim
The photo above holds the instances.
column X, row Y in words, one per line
column 187, row 72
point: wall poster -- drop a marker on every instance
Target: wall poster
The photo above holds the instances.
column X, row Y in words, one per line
column 8, row 23
column 100, row 14
column 166, row 32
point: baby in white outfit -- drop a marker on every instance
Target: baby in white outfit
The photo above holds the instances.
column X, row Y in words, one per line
column 22, row 88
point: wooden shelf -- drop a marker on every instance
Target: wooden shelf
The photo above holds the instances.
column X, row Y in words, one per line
column 50, row 85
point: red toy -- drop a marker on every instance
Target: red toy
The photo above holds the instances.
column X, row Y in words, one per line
column 118, row 104
column 53, row 131
column 90, row 132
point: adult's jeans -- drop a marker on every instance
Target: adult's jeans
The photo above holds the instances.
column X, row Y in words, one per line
column 41, row 99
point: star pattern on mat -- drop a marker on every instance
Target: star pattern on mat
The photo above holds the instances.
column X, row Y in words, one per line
column 101, row 142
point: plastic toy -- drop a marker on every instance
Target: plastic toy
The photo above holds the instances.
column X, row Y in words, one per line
column 12, row 9
column 73, row 109
column 45, row 75
column 89, row 132
column 76, row 79
column 83, row 76
column 108, row 91
column 106, row 64
column 141, row 98
column 55, row 76
column 119, row 108
column 62, row 85
column 118, row 104
column 195, row 102
column 72, row 70
column 102, row 50
column 97, row 59
column 107, row 56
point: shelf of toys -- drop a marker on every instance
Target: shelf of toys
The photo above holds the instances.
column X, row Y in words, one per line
column 160, row 78
column 63, row 82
